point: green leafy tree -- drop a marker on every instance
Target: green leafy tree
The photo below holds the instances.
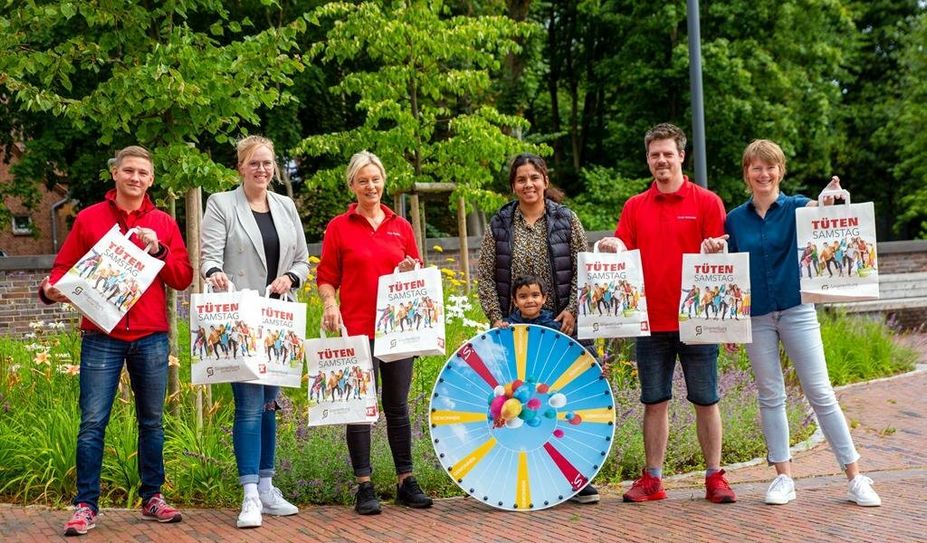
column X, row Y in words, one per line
column 910, row 117
column 177, row 76
column 422, row 80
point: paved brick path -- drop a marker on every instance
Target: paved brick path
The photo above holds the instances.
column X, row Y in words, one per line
column 889, row 420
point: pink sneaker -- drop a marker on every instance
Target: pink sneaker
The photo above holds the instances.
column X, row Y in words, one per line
column 82, row 520
column 155, row 508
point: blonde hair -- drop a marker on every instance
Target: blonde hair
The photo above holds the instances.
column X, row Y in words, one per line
column 246, row 147
column 136, row 151
column 764, row 151
column 361, row 160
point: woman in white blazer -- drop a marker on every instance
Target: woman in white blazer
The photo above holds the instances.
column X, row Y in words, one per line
column 253, row 238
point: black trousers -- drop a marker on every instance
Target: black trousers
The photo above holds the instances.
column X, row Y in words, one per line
column 396, row 379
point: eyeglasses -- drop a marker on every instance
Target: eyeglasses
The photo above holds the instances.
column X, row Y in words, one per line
column 256, row 165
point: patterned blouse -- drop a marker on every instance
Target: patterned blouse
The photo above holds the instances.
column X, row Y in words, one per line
column 530, row 256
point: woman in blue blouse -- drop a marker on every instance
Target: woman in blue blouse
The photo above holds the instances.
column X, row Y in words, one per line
column 764, row 226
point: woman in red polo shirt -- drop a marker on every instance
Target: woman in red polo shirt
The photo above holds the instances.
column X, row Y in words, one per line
column 360, row 245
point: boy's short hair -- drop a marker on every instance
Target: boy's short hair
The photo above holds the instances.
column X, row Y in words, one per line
column 528, row 280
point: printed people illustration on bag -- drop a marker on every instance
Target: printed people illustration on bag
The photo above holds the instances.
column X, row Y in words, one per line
column 721, row 302
column 848, row 256
column 615, row 298
column 229, row 340
column 411, row 316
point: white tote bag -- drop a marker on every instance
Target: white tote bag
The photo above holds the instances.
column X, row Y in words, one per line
column 837, row 251
column 410, row 315
column 610, row 295
column 107, row 281
column 281, row 342
column 223, row 336
column 714, row 300
column 341, row 381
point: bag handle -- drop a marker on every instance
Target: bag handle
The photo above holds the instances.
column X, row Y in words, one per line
column 210, row 288
column 135, row 230
column 288, row 295
column 418, row 266
column 621, row 248
column 322, row 334
column 842, row 193
column 723, row 247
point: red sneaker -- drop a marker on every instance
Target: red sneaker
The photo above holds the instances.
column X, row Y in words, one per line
column 647, row 488
column 155, row 508
column 82, row 520
column 717, row 490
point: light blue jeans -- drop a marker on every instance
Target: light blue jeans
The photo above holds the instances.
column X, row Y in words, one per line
column 800, row 333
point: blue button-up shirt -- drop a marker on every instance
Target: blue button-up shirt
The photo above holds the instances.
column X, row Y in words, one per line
column 773, row 247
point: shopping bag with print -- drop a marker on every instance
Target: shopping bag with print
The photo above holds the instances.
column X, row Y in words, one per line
column 341, row 383
column 223, row 336
column 837, row 251
column 610, row 295
column 107, row 281
column 280, row 341
column 714, row 302
column 410, row 315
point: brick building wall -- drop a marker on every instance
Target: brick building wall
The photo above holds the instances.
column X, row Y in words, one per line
column 20, row 277
column 14, row 244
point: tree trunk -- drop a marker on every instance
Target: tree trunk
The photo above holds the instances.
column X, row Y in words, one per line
column 173, row 371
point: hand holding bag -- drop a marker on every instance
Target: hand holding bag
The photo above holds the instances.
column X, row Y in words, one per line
column 610, row 300
column 837, row 251
column 410, row 314
column 107, row 281
column 714, row 300
column 281, row 341
column 223, row 336
column 341, row 382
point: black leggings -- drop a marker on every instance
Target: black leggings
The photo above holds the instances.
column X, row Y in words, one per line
column 396, row 379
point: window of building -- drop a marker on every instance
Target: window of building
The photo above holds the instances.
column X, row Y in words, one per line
column 22, row 225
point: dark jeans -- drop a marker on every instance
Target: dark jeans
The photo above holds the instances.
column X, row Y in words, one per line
column 396, row 378
column 101, row 361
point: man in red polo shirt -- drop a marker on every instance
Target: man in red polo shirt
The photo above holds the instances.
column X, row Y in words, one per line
column 670, row 218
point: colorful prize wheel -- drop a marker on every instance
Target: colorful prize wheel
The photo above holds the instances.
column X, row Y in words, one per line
column 521, row 417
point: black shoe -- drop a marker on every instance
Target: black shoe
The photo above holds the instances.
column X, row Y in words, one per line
column 411, row 495
column 588, row 495
column 365, row 501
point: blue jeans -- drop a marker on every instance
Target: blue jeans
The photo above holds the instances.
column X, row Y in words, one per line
column 254, row 432
column 800, row 333
column 101, row 361
column 656, row 362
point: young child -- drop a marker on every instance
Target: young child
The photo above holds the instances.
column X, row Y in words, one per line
column 529, row 296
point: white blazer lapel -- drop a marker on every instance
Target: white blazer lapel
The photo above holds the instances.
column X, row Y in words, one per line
column 246, row 219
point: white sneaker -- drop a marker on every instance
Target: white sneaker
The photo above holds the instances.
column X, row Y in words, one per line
column 275, row 504
column 250, row 516
column 781, row 490
column 862, row 493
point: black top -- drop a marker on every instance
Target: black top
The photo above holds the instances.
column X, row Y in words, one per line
column 271, row 243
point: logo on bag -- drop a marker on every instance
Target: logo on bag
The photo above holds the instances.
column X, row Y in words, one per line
column 210, row 371
column 371, row 410
column 392, row 343
column 324, row 413
column 595, row 327
column 262, row 368
column 644, row 327
column 698, row 330
column 77, row 290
